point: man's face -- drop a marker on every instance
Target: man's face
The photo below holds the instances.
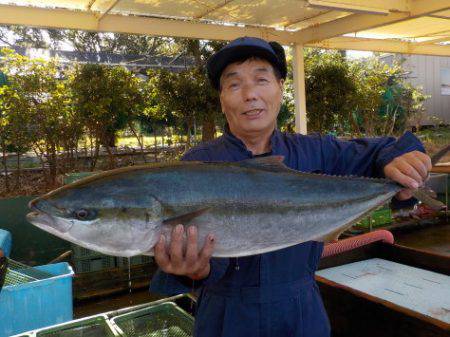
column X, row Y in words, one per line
column 250, row 96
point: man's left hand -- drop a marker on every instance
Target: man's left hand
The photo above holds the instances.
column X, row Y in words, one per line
column 410, row 170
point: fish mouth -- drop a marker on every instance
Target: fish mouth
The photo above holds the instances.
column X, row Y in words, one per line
column 40, row 216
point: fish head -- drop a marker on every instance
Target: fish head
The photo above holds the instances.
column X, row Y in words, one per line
column 101, row 218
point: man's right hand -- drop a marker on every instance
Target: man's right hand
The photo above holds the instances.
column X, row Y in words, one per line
column 194, row 263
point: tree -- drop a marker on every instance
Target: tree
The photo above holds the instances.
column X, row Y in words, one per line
column 107, row 100
column 329, row 90
column 361, row 97
column 15, row 115
column 208, row 110
column 185, row 97
column 37, row 105
column 378, row 102
column 82, row 41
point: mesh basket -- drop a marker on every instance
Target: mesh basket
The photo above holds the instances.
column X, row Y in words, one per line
column 163, row 320
column 18, row 273
column 92, row 327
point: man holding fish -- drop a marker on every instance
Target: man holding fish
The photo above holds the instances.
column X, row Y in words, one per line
column 270, row 294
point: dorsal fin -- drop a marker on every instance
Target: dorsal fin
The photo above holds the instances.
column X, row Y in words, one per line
column 269, row 163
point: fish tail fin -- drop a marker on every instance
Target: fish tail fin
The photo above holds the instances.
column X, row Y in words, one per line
column 428, row 198
column 437, row 156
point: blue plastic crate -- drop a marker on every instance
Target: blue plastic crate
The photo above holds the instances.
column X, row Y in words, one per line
column 5, row 242
column 38, row 303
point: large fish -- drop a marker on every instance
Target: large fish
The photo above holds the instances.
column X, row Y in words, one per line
column 253, row 206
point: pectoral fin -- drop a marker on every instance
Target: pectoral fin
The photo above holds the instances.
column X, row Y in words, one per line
column 184, row 218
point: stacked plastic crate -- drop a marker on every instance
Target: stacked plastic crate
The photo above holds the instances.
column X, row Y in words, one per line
column 123, row 262
column 86, row 260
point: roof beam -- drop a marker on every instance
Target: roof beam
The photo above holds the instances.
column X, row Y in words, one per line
column 67, row 19
column 391, row 46
column 359, row 22
column 90, row 4
column 316, row 20
column 111, row 5
column 362, row 6
column 438, row 37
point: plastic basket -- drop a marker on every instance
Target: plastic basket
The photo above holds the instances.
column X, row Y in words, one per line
column 162, row 320
column 96, row 326
column 35, row 297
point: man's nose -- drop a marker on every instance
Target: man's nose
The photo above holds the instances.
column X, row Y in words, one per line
column 249, row 92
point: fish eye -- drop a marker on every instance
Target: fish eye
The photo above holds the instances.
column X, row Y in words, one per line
column 84, row 214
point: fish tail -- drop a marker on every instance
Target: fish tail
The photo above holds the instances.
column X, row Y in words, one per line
column 428, row 199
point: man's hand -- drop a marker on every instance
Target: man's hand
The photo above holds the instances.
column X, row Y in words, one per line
column 192, row 263
column 410, row 170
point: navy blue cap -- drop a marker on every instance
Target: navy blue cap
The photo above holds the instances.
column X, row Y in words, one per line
column 241, row 49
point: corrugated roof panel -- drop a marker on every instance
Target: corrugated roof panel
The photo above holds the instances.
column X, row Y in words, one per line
column 168, row 8
column 262, row 12
column 419, row 29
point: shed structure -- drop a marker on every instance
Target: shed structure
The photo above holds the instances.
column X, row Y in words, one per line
column 399, row 26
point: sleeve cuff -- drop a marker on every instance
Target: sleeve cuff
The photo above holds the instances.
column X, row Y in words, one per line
column 406, row 143
column 170, row 285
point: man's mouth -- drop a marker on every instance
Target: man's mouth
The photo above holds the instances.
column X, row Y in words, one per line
column 253, row 112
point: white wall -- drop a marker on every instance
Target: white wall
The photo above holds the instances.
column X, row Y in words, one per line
column 426, row 72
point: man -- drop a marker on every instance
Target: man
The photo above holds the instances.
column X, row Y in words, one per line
column 272, row 294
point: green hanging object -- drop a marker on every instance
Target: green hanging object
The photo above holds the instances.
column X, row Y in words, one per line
column 3, row 79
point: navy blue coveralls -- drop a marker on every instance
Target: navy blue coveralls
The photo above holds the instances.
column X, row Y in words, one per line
column 274, row 294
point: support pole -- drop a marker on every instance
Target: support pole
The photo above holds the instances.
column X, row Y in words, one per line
column 299, row 89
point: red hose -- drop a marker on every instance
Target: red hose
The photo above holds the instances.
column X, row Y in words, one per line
column 357, row 241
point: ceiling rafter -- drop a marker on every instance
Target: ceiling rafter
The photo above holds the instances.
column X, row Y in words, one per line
column 359, row 22
column 317, row 19
column 373, row 6
column 378, row 45
column 108, row 9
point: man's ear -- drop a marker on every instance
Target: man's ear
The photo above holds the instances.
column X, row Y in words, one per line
column 221, row 107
